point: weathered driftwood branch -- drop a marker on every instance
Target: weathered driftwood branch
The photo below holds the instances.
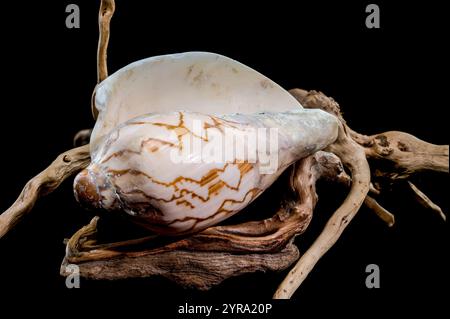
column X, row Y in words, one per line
column 345, row 180
column 425, row 201
column 73, row 160
column 192, row 269
column 107, row 8
column 218, row 252
column 381, row 212
column 105, row 14
column 405, row 155
column 354, row 158
column 65, row 165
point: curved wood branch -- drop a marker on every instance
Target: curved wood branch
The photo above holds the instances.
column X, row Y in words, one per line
column 406, row 155
column 107, row 8
column 203, row 269
column 105, row 14
column 425, row 201
column 381, row 212
column 65, row 165
column 354, row 158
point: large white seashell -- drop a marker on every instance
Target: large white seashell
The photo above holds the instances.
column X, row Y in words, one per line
column 157, row 167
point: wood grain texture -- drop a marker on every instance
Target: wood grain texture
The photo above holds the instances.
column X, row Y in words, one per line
column 105, row 13
column 395, row 156
column 200, row 270
column 107, row 8
column 65, row 165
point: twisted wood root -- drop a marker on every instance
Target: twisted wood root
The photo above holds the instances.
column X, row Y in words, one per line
column 401, row 155
column 65, row 165
column 107, row 8
column 105, row 14
column 72, row 161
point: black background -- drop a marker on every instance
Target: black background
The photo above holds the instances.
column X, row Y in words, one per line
column 393, row 78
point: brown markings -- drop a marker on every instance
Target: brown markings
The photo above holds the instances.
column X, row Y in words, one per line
column 189, row 71
column 216, row 125
column 149, row 197
column 223, row 122
column 164, row 225
column 185, row 202
column 119, row 154
column 111, row 141
column 254, row 191
column 211, row 175
column 403, row 147
column 139, row 123
column 265, row 84
column 126, row 151
column 120, row 172
column 383, row 141
column 198, row 77
column 179, row 129
column 86, row 191
column 214, row 189
column 152, row 141
column 171, row 126
column 220, row 210
column 244, row 168
column 149, row 140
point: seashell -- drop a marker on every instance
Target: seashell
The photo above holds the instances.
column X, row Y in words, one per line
column 205, row 153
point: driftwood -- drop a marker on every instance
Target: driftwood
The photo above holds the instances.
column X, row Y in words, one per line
column 64, row 166
column 398, row 154
column 204, row 270
column 205, row 259
column 107, row 8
